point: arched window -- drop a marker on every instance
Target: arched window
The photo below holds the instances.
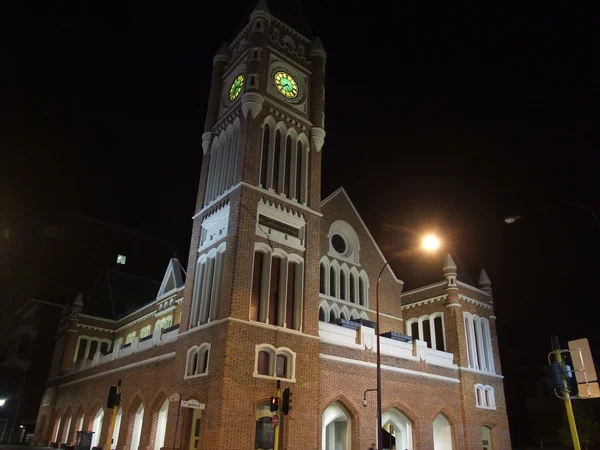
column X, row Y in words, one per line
column 97, row 427
column 336, row 428
column 265, row 154
column 322, row 314
column 288, row 165
column 276, row 296
column 428, row 328
column 442, row 433
column 398, row 426
column 484, row 397
column 276, row 160
column 352, row 288
column 145, row 331
column 264, row 362
column 486, row 438
column 137, row 427
column 322, row 279
column 207, row 287
column 332, row 316
column 197, row 361
column 343, row 285
column 161, row 426
column 479, row 347
column 332, row 282
column 300, row 173
column 274, row 363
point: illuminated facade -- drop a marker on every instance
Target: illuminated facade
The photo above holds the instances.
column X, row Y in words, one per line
column 280, row 286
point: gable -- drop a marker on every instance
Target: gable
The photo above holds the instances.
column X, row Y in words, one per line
column 172, row 280
column 338, row 210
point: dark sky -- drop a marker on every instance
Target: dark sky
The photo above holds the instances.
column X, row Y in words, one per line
column 438, row 115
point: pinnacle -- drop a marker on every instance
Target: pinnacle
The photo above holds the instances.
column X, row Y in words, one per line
column 484, row 280
column 78, row 302
column 261, row 6
column 449, row 265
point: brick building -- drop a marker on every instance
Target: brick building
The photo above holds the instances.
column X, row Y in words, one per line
column 280, row 286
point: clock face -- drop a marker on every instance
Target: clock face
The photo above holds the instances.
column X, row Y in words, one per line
column 236, row 87
column 286, row 85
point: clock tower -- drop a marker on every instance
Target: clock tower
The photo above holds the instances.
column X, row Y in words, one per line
column 252, row 290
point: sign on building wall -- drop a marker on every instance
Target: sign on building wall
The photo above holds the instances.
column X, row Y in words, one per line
column 194, row 404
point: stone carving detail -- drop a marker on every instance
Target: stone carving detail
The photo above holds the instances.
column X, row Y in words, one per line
column 242, row 45
column 289, row 43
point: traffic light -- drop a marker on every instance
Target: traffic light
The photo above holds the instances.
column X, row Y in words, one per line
column 287, row 401
column 114, row 397
column 274, row 404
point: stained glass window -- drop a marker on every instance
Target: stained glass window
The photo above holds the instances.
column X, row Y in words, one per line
column 286, row 85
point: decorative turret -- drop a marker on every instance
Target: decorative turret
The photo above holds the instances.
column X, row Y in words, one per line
column 318, row 56
column 485, row 284
column 261, row 11
column 219, row 62
column 450, row 271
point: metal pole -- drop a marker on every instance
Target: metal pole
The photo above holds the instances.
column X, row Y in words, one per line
column 565, row 395
column 113, row 419
column 277, row 428
column 378, row 331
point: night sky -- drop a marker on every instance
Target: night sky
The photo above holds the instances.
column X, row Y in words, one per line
column 445, row 117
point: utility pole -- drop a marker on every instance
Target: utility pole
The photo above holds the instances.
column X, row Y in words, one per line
column 564, row 389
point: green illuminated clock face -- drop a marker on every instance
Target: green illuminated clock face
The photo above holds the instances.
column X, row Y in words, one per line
column 236, row 87
column 286, row 85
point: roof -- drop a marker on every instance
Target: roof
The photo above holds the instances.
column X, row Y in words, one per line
column 289, row 12
column 116, row 294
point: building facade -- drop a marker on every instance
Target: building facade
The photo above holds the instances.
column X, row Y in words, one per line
column 280, row 287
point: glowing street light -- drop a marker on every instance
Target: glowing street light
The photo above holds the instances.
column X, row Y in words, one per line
column 2, row 401
column 430, row 244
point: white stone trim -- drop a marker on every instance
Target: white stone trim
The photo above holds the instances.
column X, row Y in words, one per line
column 282, row 214
column 214, row 227
column 424, row 301
column 351, row 241
column 272, row 327
column 92, row 327
column 424, row 288
column 281, row 198
column 390, row 368
column 135, row 322
column 460, row 283
column 473, row 301
column 154, row 359
column 468, row 369
column 343, row 191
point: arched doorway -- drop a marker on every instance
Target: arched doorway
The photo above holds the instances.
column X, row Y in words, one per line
column 442, row 433
column 67, row 429
column 161, row 426
column 486, row 438
column 336, row 428
column 138, row 420
column 399, row 430
column 97, row 427
column 117, row 428
column 55, row 431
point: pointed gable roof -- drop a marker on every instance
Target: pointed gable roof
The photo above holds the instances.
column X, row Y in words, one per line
column 290, row 12
column 172, row 280
column 342, row 191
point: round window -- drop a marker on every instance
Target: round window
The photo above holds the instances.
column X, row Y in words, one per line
column 338, row 243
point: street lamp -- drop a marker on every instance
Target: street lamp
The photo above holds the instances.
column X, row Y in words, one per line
column 2, row 401
column 430, row 243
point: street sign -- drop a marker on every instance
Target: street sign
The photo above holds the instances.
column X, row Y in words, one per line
column 582, row 361
column 194, row 404
column 275, row 420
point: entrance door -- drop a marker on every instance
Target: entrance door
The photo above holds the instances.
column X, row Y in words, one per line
column 195, row 429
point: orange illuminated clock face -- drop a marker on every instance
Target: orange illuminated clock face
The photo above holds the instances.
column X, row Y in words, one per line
column 286, row 84
column 236, row 87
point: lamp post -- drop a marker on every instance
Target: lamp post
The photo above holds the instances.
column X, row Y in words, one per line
column 430, row 243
